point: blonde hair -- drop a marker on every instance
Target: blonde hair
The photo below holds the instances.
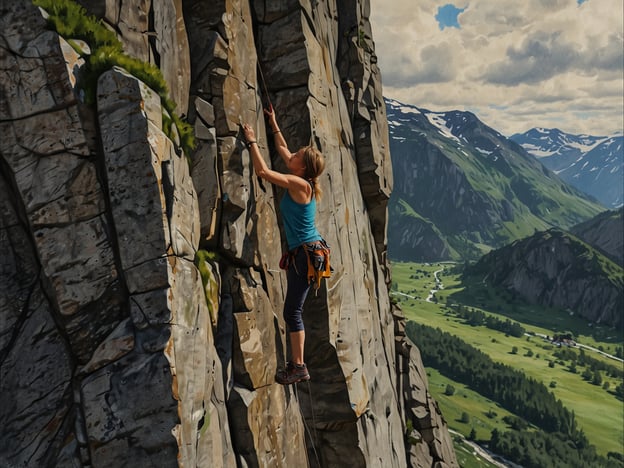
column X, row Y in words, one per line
column 315, row 165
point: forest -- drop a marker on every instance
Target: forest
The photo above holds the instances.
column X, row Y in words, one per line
column 476, row 317
column 554, row 441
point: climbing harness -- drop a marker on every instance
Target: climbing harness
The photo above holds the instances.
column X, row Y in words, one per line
column 305, row 424
column 318, row 262
column 317, row 254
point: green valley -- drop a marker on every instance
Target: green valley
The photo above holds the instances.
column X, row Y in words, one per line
column 587, row 382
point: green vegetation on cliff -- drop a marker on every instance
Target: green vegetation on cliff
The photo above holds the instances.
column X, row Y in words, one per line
column 72, row 22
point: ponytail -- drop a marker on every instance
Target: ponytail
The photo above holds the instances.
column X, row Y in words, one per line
column 317, row 192
column 315, row 165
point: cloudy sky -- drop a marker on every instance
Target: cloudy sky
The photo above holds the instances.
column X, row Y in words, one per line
column 517, row 64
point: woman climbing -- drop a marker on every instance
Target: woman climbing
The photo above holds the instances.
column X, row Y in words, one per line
column 298, row 209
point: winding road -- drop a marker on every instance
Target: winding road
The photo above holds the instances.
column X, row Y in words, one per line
column 438, row 285
column 589, row 348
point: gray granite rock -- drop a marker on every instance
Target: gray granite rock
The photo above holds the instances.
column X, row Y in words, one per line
column 141, row 297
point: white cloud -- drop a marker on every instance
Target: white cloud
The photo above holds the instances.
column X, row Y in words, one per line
column 536, row 59
column 515, row 64
column 433, row 63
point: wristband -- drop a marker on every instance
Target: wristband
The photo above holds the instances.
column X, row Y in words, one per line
column 249, row 143
column 276, row 132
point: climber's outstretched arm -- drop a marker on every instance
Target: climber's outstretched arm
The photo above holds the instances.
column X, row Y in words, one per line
column 288, row 181
column 280, row 142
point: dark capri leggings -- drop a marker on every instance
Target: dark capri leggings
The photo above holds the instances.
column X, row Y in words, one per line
column 297, row 291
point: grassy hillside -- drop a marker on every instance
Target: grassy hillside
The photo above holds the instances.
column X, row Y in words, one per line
column 423, row 228
column 538, row 197
column 599, row 413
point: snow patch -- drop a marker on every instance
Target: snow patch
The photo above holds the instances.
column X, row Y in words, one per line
column 538, row 153
column 442, row 125
column 397, row 106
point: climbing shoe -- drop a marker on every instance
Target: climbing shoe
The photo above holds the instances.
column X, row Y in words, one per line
column 292, row 374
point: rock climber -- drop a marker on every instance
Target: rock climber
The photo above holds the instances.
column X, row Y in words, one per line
column 298, row 209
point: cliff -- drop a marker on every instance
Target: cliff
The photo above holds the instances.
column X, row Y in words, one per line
column 140, row 293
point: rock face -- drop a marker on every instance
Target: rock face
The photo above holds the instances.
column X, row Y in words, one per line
column 140, row 293
column 604, row 232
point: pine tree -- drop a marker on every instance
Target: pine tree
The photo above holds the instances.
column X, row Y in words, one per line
column 597, row 379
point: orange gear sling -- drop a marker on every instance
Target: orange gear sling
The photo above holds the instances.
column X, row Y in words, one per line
column 319, row 266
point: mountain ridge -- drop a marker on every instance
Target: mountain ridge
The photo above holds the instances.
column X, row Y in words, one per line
column 593, row 164
column 478, row 188
column 604, row 232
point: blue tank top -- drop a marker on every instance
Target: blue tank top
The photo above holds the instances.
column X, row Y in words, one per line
column 299, row 221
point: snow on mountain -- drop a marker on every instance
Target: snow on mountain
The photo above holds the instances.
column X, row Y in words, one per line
column 557, row 150
column 593, row 164
column 437, row 120
column 461, row 187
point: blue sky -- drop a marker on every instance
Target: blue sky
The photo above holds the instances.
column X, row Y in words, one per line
column 517, row 65
column 447, row 16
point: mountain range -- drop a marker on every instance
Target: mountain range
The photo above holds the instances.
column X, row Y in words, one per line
column 593, row 164
column 461, row 188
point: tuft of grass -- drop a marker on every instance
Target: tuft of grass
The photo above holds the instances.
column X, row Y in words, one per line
column 211, row 287
column 71, row 21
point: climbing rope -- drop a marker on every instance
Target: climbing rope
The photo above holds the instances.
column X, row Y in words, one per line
column 264, row 86
column 312, row 411
column 305, row 425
